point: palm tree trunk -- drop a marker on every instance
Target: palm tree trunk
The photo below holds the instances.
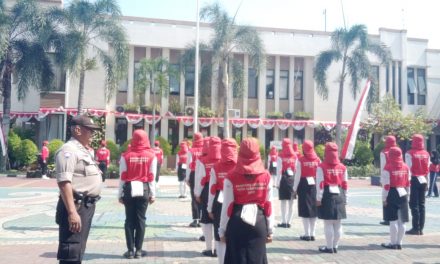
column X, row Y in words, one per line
column 81, row 91
column 153, row 127
column 226, row 114
column 340, row 102
column 6, row 119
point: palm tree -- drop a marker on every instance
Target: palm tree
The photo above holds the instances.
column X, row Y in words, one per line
column 229, row 38
column 351, row 47
column 153, row 73
column 24, row 38
column 86, row 25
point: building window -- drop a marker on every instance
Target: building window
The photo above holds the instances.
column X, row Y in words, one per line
column 252, row 83
column 387, row 81
column 298, row 85
column 189, row 81
column 284, row 84
column 411, row 85
column 59, row 81
column 393, row 80
column 121, row 130
column 123, row 85
column 52, row 127
column 399, row 87
column 421, row 87
column 175, row 79
column 270, row 84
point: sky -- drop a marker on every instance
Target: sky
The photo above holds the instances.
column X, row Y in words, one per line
column 418, row 17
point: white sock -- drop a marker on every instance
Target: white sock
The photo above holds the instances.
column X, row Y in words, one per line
column 221, row 250
column 400, row 229
column 329, row 233
column 184, row 188
column 312, row 222
column 289, row 211
column 208, row 233
column 283, row 211
column 306, row 224
column 338, row 232
column 181, row 188
column 393, row 232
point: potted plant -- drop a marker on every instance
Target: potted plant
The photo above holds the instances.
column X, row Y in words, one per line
column 175, row 107
column 253, row 113
column 206, row 112
column 300, row 115
column 274, row 115
column 148, row 109
column 131, row 108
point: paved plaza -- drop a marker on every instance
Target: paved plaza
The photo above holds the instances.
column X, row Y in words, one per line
column 29, row 234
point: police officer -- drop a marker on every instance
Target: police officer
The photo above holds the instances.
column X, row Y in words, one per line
column 79, row 181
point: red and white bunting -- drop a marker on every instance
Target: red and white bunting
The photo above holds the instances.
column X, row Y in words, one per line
column 205, row 122
column 238, row 122
column 254, row 122
column 149, row 118
column 134, row 118
column 268, row 124
column 283, row 124
column 96, row 112
column 186, row 121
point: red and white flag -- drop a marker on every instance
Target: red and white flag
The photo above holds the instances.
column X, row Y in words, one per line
column 350, row 141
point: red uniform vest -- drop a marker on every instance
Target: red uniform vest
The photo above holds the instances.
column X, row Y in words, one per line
column 44, row 153
column 221, row 172
column 208, row 167
column 195, row 155
column 159, row 154
column 420, row 161
column 273, row 158
column 308, row 167
column 288, row 162
column 434, row 167
column 398, row 177
column 103, row 154
column 333, row 175
column 138, row 166
column 182, row 158
column 251, row 191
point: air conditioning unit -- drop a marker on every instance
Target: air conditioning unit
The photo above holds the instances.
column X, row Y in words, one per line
column 189, row 110
column 234, row 113
column 288, row 115
column 120, row 109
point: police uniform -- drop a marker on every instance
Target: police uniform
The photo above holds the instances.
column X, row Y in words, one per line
column 75, row 165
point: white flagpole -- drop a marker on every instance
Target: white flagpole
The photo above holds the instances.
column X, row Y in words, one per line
column 196, row 73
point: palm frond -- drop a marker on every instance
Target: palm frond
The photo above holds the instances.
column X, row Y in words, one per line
column 381, row 51
column 323, row 62
column 237, row 78
column 357, row 32
column 248, row 41
column 358, row 67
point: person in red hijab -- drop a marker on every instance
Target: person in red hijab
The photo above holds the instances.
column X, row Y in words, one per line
column 305, row 187
column 417, row 159
column 395, row 180
column 159, row 156
column 210, row 157
column 181, row 167
column 296, row 149
column 390, row 141
column 103, row 157
column 331, row 196
column 285, row 178
column 43, row 159
column 272, row 162
column 215, row 199
column 137, row 168
column 246, row 221
column 193, row 155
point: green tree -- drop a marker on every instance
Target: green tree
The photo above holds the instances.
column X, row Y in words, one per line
column 229, row 38
column 24, row 39
column 28, row 152
column 87, row 25
column 53, row 147
column 351, row 47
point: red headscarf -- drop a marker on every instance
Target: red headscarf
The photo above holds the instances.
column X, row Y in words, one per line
column 183, row 148
column 249, row 160
column 296, row 150
column 395, row 160
column 418, row 142
column 103, row 143
column 287, row 149
column 157, row 143
column 205, row 149
column 390, row 141
column 229, row 150
column 273, row 151
column 331, row 154
column 198, row 140
column 308, row 150
column 214, row 153
column 45, row 143
column 140, row 141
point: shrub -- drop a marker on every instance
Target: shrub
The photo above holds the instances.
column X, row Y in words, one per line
column 362, row 171
column 319, row 149
column 124, row 146
column 53, row 147
column 28, row 152
column 299, row 115
column 114, row 150
column 24, row 133
column 362, row 153
column 14, row 143
column 164, row 145
column 113, row 171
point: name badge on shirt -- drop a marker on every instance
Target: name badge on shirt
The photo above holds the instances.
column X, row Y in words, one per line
column 422, row 179
column 310, row 180
column 401, row 191
column 274, row 164
column 137, row 189
column 333, row 189
column 220, row 197
column 184, row 166
column 289, row 172
column 249, row 214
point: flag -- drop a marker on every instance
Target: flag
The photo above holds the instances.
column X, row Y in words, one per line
column 350, row 141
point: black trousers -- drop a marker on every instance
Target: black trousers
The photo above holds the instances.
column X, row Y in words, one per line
column 433, row 183
column 195, row 207
column 103, row 168
column 72, row 246
column 43, row 166
column 135, row 209
column 158, row 172
column 417, row 204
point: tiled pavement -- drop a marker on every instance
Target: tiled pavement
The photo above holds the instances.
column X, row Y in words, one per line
column 29, row 235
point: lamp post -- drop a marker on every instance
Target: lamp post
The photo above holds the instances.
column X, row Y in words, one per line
column 196, row 73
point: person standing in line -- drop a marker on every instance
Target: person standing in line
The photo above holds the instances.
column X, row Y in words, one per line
column 137, row 169
column 193, row 155
column 44, row 159
column 181, row 168
column 390, row 141
column 331, row 196
column 246, row 222
column 79, row 180
column 215, row 200
column 272, row 162
column 103, row 157
column 396, row 186
column 159, row 156
column 296, row 150
column 417, row 159
column 285, row 180
column 434, row 169
column 201, row 189
column 305, row 187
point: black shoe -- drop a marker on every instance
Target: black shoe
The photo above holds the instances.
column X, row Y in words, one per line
column 389, row 246
column 180, row 196
column 399, row 247
column 312, row 238
column 385, row 223
column 129, row 254
column 194, row 223
column 305, row 238
column 199, row 225
column 282, row 225
column 326, row 250
column 202, row 238
column 421, row 232
column 215, row 253
column 207, row 253
column 140, row 253
column 287, row 225
column 335, row 250
column 412, row 232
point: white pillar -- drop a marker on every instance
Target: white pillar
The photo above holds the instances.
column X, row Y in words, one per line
column 147, row 91
column 277, row 85
column 291, row 84
column 130, row 89
column 262, row 102
column 245, row 85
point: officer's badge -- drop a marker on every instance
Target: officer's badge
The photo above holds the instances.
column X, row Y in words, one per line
column 67, row 155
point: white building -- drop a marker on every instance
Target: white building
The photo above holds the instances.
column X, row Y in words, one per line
column 413, row 75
